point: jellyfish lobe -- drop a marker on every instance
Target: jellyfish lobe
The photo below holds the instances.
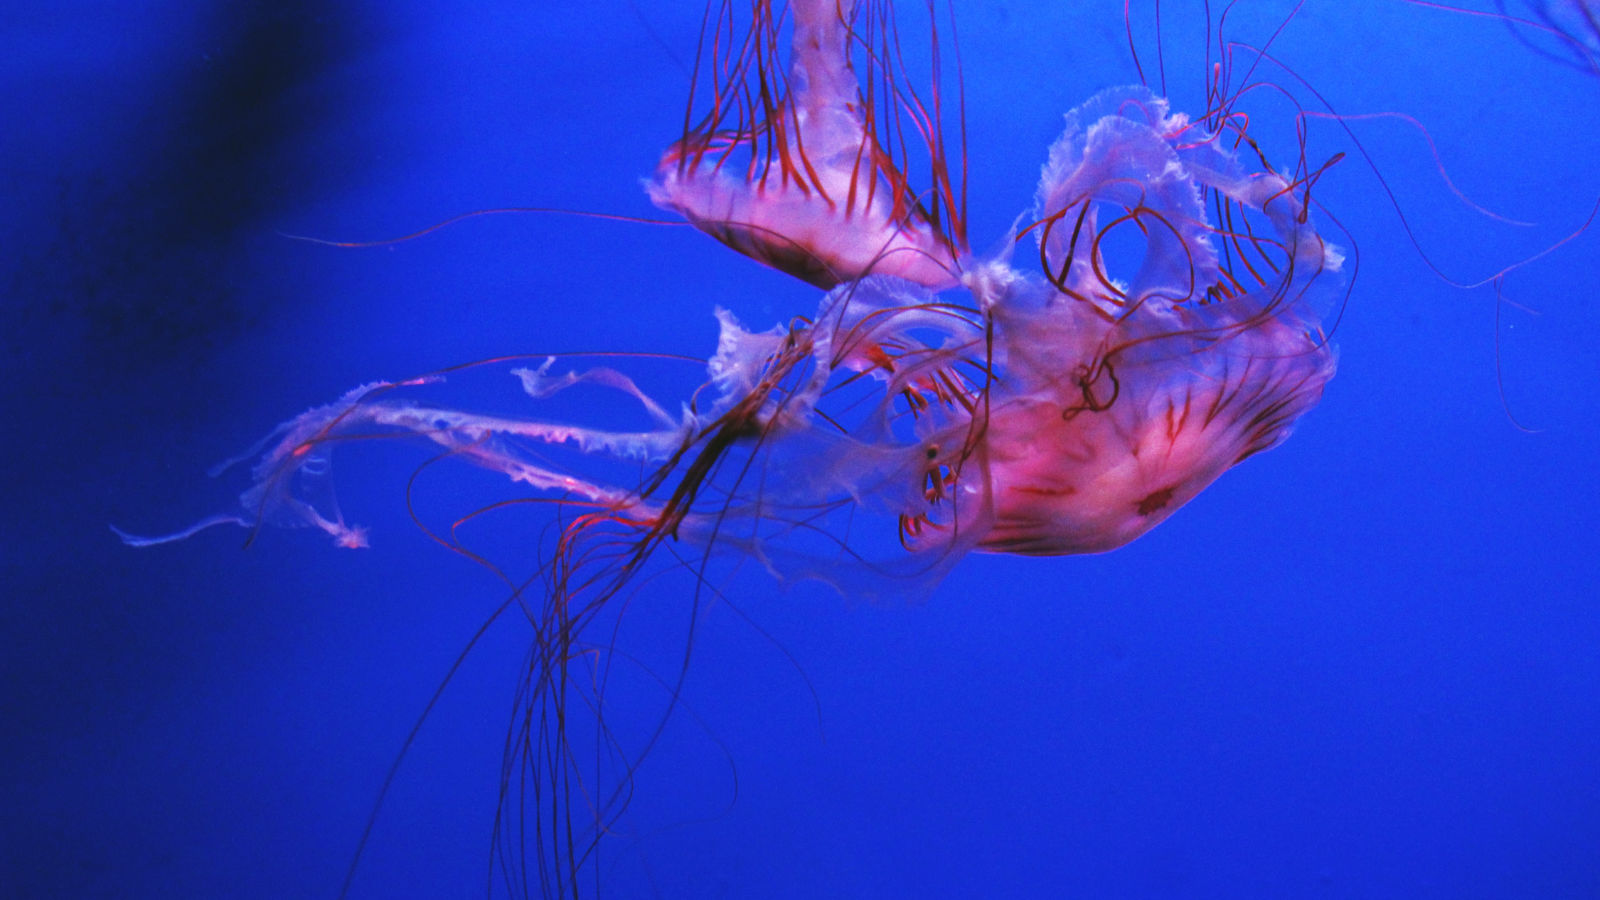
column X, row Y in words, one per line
column 798, row 178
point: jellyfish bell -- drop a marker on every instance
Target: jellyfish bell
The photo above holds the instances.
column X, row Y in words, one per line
column 795, row 166
column 1141, row 380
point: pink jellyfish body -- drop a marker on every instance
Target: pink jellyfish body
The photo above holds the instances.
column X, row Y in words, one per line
column 1216, row 358
column 1163, row 328
column 1134, row 384
column 803, row 178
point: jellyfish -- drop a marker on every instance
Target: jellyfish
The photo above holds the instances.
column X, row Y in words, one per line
column 796, row 167
column 1565, row 31
column 1156, row 321
column 1577, row 25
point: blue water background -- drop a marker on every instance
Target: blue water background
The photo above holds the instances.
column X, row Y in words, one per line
column 1365, row 664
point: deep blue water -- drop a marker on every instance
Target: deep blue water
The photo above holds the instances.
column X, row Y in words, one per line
column 1365, row 664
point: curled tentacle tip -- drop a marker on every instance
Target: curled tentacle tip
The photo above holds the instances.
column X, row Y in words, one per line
column 134, row 540
column 354, row 538
column 988, row 281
